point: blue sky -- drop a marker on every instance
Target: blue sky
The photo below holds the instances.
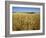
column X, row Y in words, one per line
column 25, row 9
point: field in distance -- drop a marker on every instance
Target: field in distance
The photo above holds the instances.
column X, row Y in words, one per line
column 25, row 21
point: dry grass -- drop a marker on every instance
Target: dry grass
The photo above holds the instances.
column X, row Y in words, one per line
column 25, row 21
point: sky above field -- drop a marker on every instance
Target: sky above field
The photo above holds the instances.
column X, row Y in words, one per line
column 25, row 9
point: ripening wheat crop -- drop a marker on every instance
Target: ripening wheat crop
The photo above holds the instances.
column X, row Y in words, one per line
column 25, row 21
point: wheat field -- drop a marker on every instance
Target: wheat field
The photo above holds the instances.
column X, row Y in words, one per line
column 21, row 21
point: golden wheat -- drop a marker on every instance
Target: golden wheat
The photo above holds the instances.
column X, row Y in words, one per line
column 25, row 21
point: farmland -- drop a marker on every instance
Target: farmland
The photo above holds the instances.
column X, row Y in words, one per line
column 24, row 21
